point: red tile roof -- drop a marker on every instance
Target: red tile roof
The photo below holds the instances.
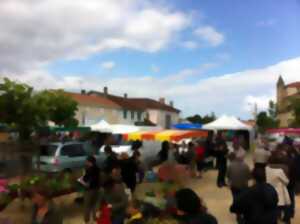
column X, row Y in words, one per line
column 250, row 123
column 138, row 104
column 294, row 84
column 86, row 99
column 152, row 104
column 126, row 103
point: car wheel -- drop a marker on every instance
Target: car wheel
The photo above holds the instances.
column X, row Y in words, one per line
column 68, row 170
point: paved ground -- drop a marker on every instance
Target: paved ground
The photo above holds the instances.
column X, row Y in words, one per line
column 218, row 202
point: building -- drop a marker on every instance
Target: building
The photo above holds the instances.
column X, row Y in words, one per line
column 93, row 109
column 285, row 114
column 96, row 106
column 147, row 110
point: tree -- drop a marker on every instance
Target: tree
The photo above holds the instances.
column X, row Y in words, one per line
column 295, row 106
column 197, row 119
column 62, row 109
column 272, row 109
column 25, row 110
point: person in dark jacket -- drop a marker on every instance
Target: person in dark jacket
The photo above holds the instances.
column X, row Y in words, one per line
column 111, row 164
column 189, row 207
column 221, row 154
column 45, row 211
column 238, row 176
column 258, row 204
column 129, row 171
column 91, row 181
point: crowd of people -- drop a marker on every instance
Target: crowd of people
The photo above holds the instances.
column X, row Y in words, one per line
column 271, row 197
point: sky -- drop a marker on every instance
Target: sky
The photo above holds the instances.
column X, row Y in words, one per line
column 219, row 56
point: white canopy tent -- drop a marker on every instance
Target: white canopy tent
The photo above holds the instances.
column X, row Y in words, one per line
column 102, row 126
column 105, row 127
column 227, row 123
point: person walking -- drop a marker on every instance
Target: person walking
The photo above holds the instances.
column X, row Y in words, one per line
column 111, row 164
column 114, row 197
column 45, row 210
column 200, row 154
column 221, row 154
column 261, row 156
column 238, row 176
column 279, row 181
column 91, row 181
column 129, row 171
column 258, row 204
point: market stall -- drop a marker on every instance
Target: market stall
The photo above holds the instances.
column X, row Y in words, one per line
column 164, row 135
column 231, row 123
column 285, row 131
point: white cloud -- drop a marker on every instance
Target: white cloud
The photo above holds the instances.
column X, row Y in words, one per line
column 210, row 35
column 34, row 33
column 261, row 102
column 155, row 68
column 108, row 65
column 268, row 22
column 190, row 45
column 222, row 94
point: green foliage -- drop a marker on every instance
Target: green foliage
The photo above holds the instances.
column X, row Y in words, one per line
column 272, row 109
column 266, row 122
column 62, row 109
column 197, row 119
column 295, row 105
column 25, row 110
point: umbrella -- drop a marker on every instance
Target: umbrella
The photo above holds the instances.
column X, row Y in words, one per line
column 164, row 135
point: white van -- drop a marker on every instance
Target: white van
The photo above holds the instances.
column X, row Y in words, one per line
column 148, row 150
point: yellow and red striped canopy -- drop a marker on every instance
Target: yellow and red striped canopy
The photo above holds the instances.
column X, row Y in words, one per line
column 164, row 135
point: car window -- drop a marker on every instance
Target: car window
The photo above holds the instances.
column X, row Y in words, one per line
column 67, row 151
column 48, row 150
column 78, row 150
column 73, row 150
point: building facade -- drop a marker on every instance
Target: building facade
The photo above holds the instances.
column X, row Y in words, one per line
column 139, row 110
column 96, row 106
column 285, row 114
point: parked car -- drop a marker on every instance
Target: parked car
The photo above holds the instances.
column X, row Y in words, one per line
column 66, row 157
column 148, row 150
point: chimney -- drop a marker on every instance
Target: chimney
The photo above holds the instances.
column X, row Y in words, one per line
column 125, row 95
column 105, row 91
column 172, row 103
column 83, row 92
column 162, row 100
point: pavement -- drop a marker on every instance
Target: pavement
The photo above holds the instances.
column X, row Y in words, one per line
column 218, row 201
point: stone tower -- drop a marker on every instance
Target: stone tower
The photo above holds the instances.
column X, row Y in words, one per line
column 281, row 94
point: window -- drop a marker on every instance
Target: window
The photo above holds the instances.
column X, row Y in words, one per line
column 168, row 121
column 48, row 150
column 66, row 151
column 125, row 114
column 139, row 115
column 78, row 150
column 72, row 150
column 132, row 115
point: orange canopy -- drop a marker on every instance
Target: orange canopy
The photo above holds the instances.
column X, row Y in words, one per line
column 164, row 135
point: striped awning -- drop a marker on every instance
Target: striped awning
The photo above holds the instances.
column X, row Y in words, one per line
column 164, row 135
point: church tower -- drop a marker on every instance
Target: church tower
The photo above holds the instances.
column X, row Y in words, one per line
column 281, row 94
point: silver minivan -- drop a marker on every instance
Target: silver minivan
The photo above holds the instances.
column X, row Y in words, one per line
column 66, row 157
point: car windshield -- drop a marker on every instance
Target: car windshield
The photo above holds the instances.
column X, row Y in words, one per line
column 48, row 150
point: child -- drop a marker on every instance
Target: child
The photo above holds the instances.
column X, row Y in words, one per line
column 133, row 210
column 105, row 214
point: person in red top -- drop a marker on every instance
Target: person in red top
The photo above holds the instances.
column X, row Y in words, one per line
column 199, row 158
